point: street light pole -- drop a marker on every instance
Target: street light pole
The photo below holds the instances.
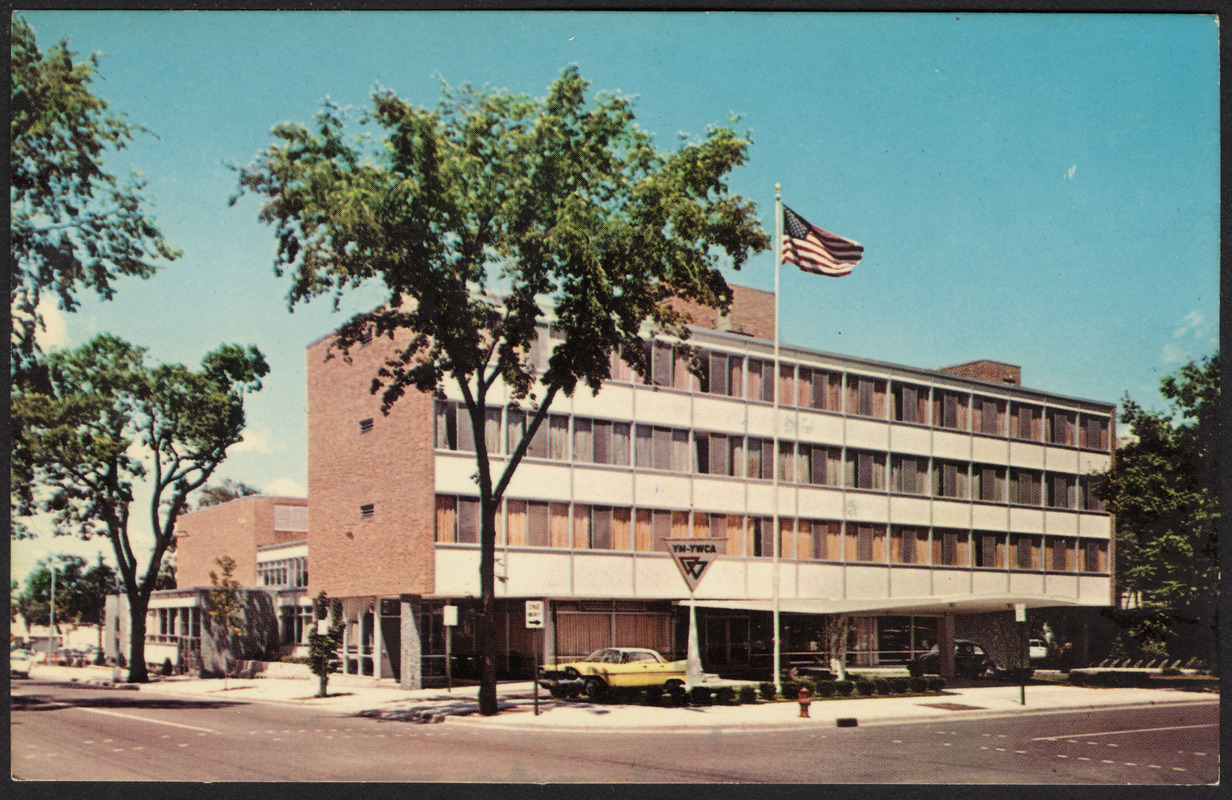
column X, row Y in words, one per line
column 51, row 629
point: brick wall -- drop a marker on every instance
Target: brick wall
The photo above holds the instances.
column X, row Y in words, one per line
column 751, row 313
column 390, row 467
column 991, row 371
column 234, row 529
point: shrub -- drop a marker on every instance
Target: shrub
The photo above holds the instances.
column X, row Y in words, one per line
column 843, row 688
column 825, row 688
column 881, row 685
column 918, row 684
column 791, row 689
column 747, row 695
column 121, row 661
column 935, row 683
column 653, row 696
column 899, row 685
column 166, row 668
column 767, row 690
column 676, row 695
column 1078, row 678
column 700, row 696
column 864, row 687
column 724, row 696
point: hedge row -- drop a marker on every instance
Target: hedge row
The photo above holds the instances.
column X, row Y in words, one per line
column 863, row 687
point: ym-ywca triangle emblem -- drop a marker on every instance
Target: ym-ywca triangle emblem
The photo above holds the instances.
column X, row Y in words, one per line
column 694, row 556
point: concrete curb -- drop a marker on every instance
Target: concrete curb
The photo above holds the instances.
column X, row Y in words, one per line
column 826, row 722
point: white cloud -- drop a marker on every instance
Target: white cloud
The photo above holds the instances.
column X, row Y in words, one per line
column 1071, row 172
column 256, row 440
column 1172, row 353
column 285, row 487
column 1193, row 322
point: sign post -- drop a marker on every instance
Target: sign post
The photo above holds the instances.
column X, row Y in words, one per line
column 693, row 557
column 1020, row 616
column 450, row 618
column 534, row 621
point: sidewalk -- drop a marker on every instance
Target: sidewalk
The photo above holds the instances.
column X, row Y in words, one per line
column 352, row 696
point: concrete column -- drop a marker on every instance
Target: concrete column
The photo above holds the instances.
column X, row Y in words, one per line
column 945, row 645
column 548, row 656
column 377, row 644
column 346, row 638
column 412, row 647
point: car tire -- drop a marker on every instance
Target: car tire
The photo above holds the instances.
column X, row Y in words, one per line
column 559, row 692
column 596, row 690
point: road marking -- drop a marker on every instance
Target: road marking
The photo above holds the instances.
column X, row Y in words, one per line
column 999, row 749
column 1021, row 752
column 1061, row 756
column 947, row 744
column 1178, row 769
column 1119, row 733
column 1154, row 766
column 1199, row 754
column 142, row 719
column 1080, row 758
column 1131, row 763
column 1106, row 761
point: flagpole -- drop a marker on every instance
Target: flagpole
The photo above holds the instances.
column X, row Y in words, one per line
column 774, row 457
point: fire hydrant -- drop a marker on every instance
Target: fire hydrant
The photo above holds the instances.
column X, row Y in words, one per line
column 805, row 698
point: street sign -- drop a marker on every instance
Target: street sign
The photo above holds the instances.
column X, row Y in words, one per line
column 694, row 556
column 450, row 614
column 534, row 613
column 1020, row 612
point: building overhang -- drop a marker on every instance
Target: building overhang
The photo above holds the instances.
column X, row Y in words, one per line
column 930, row 606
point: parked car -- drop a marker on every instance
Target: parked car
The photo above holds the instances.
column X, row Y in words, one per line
column 611, row 667
column 1037, row 651
column 20, row 662
column 970, row 661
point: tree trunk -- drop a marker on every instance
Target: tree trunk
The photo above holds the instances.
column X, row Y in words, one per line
column 485, row 628
column 136, row 659
column 324, row 683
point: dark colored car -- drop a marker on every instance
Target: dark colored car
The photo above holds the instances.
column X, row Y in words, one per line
column 970, row 661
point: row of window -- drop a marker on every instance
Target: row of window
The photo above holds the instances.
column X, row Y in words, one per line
column 751, row 378
column 606, row 442
column 283, row 572
column 578, row 526
column 169, row 624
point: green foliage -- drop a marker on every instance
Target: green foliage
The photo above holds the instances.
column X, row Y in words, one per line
column 81, row 592
column 323, row 645
column 701, row 696
column 485, row 217
column 747, row 695
column 724, row 696
column 881, row 686
column 677, row 695
column 107, row 421
column 864, row 686
column 899, row 685
column 844, row 688
column 935, row 683
column 825, row 688
column 72, row 225
column 1163, row 488
column 766, row 690
column 918, row 684
column 224, row 492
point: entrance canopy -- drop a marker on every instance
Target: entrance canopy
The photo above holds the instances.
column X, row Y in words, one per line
column 944, row 604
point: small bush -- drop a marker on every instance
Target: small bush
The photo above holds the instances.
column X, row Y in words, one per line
column 653, row 696
column 166, row 668
column 1164, row 671
column 843, row 688
column 881, row 685
column 918, row 684
column 791, row 689
column 825, row 688
column 767, row 690
column 935, row 683
column 899, row 685
column 747, row 695
column 1078, row 678
column 121, row 661
column 676, row 695
column 865, row 687
column 700, row 696
column 725, row 696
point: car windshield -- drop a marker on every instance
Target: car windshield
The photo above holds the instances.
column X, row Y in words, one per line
column 639, row 655
column 606, row 655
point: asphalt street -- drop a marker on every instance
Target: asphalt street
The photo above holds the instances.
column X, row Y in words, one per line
column 66, row 732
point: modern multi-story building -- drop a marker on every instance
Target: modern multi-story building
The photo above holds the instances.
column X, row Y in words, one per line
column 915, row 505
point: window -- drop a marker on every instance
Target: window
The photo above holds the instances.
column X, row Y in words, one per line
column 1061, row 491
column 787, row 462
column 761, row 545
column 538, row 525
column 518, row 423
column 990, row 415
column 714, row 378
column 950, row 548
column 865, row 470
column 1086, row 493
column 1062, row 427
column 1093, row 433
column 468, row 521
column 866, row 397
column 760, row 384
column 908, row 545
column 787, row 384
column 990, row 550
column 1025, row 422
column 713, row 456
column 910, row 403
column 662, row 364
column 365, row 425
column 558, row 437
column 989, row 483
column 1024, row 487
column 951, row 479
column 1094, row 556
column 866, row 543
column 950, row 410
column 1059, row 555
column 825, row 464
column 367, row 511
column 760, row 458
column 446, row 519
column 446, row 426
column 909, row 474
column 1026, row 551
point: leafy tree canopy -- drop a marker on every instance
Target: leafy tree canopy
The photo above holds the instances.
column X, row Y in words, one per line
column 1164, row 489
column 110, row 422
column 72, row 224
column 224, row 492
column 81, row 592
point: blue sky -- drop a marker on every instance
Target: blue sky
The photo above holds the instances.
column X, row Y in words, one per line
column 1036, row 189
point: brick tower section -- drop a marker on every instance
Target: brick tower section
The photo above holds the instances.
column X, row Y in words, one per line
column 234, row 529
column 751, row 313
column 386, row 464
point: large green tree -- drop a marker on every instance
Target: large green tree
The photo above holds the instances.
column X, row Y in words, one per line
column 1163, row 488
column 72, row 224
column 489, row 215
column 110, row 425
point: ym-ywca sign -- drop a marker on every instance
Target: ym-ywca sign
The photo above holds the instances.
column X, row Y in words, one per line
column 694, row 556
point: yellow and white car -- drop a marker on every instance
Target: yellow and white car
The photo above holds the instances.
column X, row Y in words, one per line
column 612, row 667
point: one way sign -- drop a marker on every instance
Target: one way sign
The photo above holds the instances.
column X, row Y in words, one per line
column 694, row 556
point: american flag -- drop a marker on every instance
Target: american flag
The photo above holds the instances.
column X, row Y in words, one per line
column 815, row 250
